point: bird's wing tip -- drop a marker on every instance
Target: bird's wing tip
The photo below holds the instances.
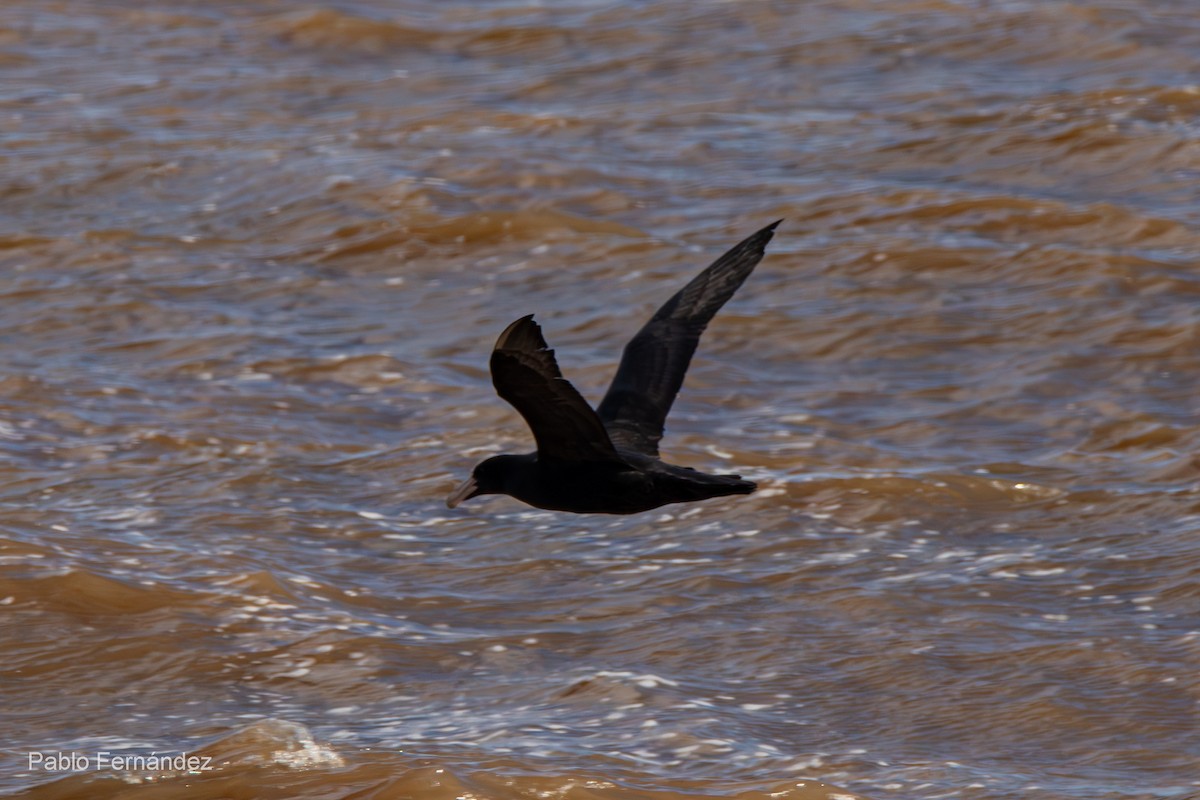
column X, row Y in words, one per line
column 521, row 331
column 765, row 235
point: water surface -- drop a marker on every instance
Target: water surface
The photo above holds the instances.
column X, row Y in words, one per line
column 253, row 256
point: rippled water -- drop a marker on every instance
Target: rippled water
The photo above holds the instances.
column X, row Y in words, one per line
column 254, row 256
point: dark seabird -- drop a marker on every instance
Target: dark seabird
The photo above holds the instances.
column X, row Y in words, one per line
column 606, row 461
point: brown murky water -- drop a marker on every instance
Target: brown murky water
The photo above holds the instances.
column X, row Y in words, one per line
column 254, row 254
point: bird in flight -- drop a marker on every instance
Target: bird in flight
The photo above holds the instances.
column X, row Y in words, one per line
column 605, row 461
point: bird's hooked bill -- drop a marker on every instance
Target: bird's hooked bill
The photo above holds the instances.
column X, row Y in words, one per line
column 465, row 490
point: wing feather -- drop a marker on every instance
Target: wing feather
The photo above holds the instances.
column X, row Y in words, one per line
column 526, row 375
column 654, row 362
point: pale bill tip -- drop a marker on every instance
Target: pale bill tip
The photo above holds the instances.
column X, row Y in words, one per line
column 464, row 490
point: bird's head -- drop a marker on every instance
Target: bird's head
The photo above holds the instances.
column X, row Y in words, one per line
column 491, row 476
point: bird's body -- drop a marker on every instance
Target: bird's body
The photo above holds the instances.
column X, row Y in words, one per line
column 605, row 461
column 635, row 483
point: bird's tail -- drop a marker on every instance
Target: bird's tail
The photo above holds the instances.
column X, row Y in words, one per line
column 734, row 484
column 700, row 485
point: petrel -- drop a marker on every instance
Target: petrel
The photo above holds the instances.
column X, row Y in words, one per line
column 605, row 461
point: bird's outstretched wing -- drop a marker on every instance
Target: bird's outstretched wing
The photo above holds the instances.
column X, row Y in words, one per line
column 656, row 359
column 525, row 374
